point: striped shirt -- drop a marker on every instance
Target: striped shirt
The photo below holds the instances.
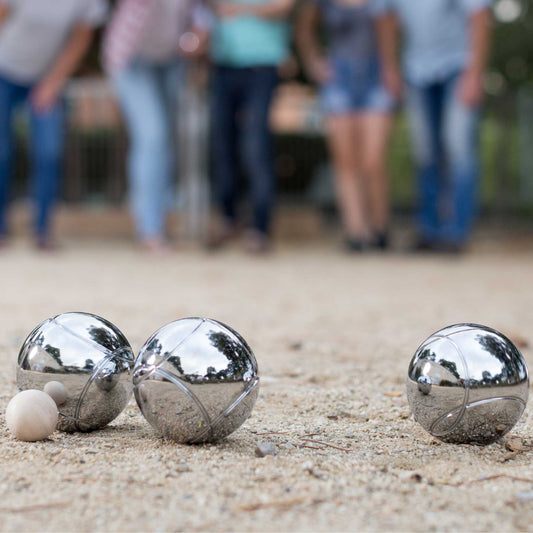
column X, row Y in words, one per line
column 124, row 33
column 150, row 29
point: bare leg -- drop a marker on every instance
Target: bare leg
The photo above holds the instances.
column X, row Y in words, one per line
column 376, row 129
column 344, row 142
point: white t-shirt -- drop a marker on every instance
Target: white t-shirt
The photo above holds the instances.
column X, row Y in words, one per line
column 35, row 31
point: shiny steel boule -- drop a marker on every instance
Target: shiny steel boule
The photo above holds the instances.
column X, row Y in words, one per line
column 196, row 380
column 90, row 357
column 467, row 384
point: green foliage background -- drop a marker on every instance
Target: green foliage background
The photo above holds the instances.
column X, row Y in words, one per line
column 512, row 53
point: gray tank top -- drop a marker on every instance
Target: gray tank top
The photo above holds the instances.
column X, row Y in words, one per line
column 349, row 29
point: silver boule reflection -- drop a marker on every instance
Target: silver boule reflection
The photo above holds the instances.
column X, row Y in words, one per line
column 90, row 357
column 467, row 384
column 196, row 380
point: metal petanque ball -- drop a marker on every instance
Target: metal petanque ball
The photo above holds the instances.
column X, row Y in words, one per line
column 89, row 362
column 467, row 384
column 196, row 380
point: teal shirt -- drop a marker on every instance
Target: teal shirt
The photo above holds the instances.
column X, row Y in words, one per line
column 248, row 41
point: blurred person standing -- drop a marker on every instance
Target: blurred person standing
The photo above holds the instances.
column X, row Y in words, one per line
column 358, row 111
column 41, row 44
column 144, row 48
column 446, row 52
column 250, row 41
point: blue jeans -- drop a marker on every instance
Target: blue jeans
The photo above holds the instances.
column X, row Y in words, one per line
column 354, row 87
column 241, row 104
column 148, row 95
column 46, row 153
column 445, row 143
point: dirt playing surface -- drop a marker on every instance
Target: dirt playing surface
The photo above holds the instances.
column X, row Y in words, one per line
column 333, row 336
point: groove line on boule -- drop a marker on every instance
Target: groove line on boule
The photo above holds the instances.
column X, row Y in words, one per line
column 189, row 393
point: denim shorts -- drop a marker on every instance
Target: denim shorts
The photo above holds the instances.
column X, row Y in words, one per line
column 354, row 87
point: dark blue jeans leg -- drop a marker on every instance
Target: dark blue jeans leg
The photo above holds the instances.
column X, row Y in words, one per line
column 224, row 138
column 425, row 112
column 257, row 147
column 460, row 134
column 10, row 96
column 47, row 151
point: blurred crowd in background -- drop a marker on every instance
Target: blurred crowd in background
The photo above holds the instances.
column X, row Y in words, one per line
column 196, row 82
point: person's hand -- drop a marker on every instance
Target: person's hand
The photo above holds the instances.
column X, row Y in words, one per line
column 393, row 81
column 45, row 95
column 319, row 70
column 471, row 88
column 226, row 9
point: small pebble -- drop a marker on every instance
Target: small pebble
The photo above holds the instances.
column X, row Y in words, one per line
column 31, row 415
column 56, row 391
column 263, row 449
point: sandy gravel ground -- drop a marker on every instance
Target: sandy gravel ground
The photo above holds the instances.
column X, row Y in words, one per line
column 333, row 336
